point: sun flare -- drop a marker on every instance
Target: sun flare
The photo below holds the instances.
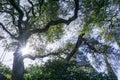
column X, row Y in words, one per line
column 26, row 50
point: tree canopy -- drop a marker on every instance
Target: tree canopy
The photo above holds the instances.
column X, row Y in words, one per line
column 41, row 22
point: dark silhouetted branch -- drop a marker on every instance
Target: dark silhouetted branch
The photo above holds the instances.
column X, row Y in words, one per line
column 11, row 14
column 21, row 14
column 104, row 47
column 110, row 70
column 13, row 36
column 78, row 43
column 32, row 7
column 44, row 29
column 91, row 46
column 37, row 56
column 2, row 37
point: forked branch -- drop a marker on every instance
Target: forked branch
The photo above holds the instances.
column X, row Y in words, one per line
column 4, row 28
column 21, row 14
column 59, row 21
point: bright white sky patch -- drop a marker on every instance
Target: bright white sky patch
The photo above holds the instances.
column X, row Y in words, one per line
column 27, row 49
column 93, row 62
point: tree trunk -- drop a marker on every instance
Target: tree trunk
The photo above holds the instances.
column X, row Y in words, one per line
column 111, row 73
column 18, row 66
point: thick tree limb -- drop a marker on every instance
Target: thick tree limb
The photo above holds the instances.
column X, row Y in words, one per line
column 13, row 36
column 38, row 56
column 108, row 66
column 79, row 42
column 91, row 46
column 44, row 29
column 21, row 14
column 104, row 47
column 111, row 72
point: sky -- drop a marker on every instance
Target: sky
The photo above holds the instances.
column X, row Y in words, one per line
column 71, row 35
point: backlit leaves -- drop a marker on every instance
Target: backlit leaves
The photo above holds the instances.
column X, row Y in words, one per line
column 55, row 32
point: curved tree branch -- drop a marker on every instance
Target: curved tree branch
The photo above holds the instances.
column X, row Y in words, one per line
column 44, row 29
column 11, row 14
column 13, row 36
column 110, row 70
column 37, row 56
column 21, row 14
column 91, row 46
column 69, row 56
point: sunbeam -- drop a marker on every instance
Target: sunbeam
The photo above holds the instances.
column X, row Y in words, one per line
column 26, row 50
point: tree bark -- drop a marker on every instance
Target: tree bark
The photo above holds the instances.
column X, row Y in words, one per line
column 111, row 73
column 18, row 66
column 78, row 43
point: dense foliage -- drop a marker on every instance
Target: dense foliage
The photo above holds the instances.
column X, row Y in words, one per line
column 49, row 20
column 57, row 70
column 62, row 70
column 5, row 72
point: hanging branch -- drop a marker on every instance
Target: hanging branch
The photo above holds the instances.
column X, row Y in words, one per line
column 51, row 23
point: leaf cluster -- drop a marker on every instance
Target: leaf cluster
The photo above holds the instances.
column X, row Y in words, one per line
column 4, row 70
column 62, row 70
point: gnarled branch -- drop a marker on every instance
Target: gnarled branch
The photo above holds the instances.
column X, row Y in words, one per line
column 37, row 56
column 13, row 36
column 78, row 43
column 11, row 14
column 32, row 8
column 21, row 14
column 44, row 29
